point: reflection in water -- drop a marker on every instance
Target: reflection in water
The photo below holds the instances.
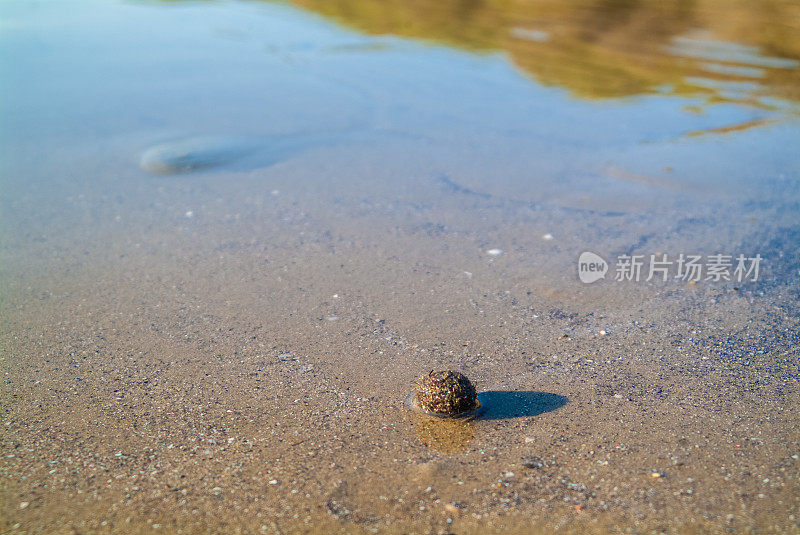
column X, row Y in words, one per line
column 609, row 48
column 454, row 435
column 443, row 435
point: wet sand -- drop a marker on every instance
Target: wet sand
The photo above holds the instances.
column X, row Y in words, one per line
column 247, row 371
column 230, row 349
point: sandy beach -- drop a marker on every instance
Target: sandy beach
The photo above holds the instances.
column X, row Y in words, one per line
column 230, row 349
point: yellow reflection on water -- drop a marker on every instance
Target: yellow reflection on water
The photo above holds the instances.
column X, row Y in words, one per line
column 741, row 51
column 443, row 435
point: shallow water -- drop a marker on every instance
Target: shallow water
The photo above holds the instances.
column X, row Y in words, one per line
column 233, row 233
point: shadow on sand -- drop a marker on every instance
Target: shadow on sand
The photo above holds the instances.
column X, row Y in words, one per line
column 503, row 404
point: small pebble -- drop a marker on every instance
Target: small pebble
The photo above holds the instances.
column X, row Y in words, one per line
column 23, row 505
column 547, row 237
column 533, row 462
column 494, row 252
column 451, row 508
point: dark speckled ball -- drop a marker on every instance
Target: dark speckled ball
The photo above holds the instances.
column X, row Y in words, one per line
column 445, row 392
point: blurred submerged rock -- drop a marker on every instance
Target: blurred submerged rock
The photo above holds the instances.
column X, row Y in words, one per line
column 184, row 156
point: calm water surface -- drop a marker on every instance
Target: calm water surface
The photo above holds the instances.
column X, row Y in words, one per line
column 610, row 106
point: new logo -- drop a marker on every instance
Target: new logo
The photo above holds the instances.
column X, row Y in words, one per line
column 591, row 267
